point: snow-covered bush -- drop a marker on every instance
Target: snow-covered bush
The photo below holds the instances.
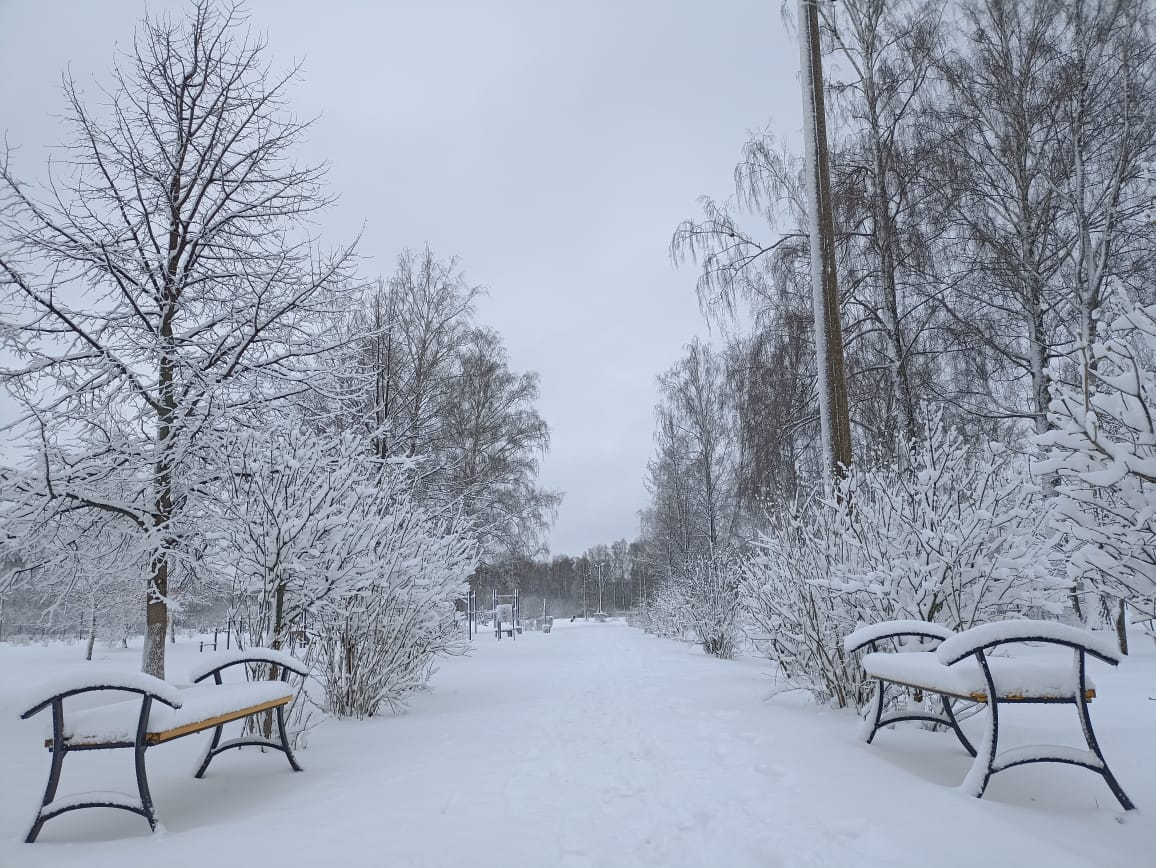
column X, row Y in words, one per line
column 663, row 614
column 710, row 593
column 378, row 641
column 702, row 600
column 329, row 550
column 798, row 623
column 1103, row 456
column 958, row 536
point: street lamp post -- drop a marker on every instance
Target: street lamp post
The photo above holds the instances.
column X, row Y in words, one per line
column 600, row 565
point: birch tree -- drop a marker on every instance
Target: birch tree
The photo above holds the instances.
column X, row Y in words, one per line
column 164, row 274
column 1046, row 124
column 692, row 477
column 888, row 50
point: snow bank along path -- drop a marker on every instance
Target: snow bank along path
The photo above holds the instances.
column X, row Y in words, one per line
column 593, row 746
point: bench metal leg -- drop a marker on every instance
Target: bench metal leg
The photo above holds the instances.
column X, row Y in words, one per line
column 880, row 720
column 1094, row 745
column 877, row 711
column 210, row 751
column 984, row 766
column 142, row 784
column 281, row 743
column 59, row 749
column 978, row 777
column 285, row 739
column 955, row 724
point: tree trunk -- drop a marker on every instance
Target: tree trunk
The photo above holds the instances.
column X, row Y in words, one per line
column 156, row 621
column 91, row 632
column 1122, row 626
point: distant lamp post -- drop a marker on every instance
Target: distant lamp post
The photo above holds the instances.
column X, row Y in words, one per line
column 600, row 613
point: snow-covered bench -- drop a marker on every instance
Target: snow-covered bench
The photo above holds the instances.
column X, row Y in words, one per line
column 956, row 665
column 164, row 713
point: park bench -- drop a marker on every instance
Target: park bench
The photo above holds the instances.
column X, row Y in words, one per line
column 163, row 714
column 932, row 659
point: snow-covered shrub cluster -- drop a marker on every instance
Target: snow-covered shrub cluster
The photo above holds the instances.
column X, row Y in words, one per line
column 710, row 590
column 329, row 549
column 955, row 534
column 1103, row 456
column 663, row 614
column 797, row 625
column 702, row 601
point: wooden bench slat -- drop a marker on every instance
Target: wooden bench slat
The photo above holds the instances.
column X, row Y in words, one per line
column 1016, row 680
column 170, row 734
column 198, row 726
column 981, row 696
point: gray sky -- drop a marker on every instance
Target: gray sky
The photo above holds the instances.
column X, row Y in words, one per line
column 552, row 146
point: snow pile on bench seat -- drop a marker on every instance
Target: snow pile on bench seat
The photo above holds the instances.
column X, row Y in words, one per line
column 986, row 635
column 875, row 632
column 87, row 678
column 1027, row 678
column 217, row 659
column 118, row 721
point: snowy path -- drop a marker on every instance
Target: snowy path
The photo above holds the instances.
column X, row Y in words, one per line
column 593, row 746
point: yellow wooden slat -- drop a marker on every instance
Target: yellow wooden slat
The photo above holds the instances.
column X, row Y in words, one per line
column 170, row 734
column 980, row 695
column 189, row 728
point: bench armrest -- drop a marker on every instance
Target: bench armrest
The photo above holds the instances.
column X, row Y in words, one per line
column 984, row 636
column 873, row 633
column 130, row 682
column 215, row 663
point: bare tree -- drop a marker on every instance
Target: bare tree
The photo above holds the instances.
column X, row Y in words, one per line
column 1048, row 108
column 436, row 388
column 888, row 50
column 695, row 510
column 492, row 438
column 165, row 275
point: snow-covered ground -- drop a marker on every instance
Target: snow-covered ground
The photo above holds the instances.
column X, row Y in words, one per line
column 595, row 745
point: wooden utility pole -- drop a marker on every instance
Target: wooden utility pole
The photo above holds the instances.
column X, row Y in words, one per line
column 834, row 410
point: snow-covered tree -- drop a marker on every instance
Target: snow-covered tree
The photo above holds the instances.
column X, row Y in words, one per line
column 1103, row 451
column 961, row 537
column 163, row 285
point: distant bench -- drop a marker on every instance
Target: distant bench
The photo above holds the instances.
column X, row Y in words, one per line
column 139, row 726
column 956, row 665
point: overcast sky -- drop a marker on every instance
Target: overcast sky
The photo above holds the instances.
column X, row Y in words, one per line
column 552, row 145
